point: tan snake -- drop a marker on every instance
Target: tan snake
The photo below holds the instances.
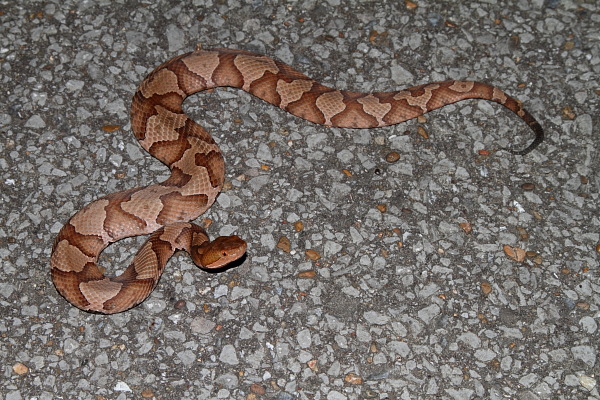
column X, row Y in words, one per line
column 197, row 167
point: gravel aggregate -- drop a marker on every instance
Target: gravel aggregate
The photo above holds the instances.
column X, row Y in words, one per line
column 408, row 262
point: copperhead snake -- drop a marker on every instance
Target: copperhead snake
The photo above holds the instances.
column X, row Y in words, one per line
column 197, row 166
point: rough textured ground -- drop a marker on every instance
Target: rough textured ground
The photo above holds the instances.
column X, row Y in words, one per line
column 415, row 294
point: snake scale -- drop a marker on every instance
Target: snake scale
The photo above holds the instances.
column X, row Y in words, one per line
column 197, row 166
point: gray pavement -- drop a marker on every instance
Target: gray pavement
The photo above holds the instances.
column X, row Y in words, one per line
column 455, row 272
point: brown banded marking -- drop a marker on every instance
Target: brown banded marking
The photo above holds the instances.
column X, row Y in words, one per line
column 291, row 92
column 373, row 106
column 462, row 86
column 420, row 97
column 203, row 65
column 330, row 104
column 253, row 68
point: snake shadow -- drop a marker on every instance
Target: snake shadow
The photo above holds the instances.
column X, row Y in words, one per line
column 231, row 265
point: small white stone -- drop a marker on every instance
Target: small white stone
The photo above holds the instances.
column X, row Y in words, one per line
column 587, row 382
column 220, row 290
column 122, row 387
column 155, row 305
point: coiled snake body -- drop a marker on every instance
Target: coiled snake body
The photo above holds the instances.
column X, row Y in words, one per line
column 197, row 166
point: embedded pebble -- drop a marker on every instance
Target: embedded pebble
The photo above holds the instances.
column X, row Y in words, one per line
column 335, row 395
column 220, row 291
column 36, row 122
column 122, row 387
column 155, row 306
column 258, row 389
column 179, row 304
column 20, row 369
column 427, row 314
column 353, row 379
column 588, row 324
column 312, row 254
column 202, row 325
column 284, row 244
column 227, row 380
column 228, row 355
column 587, row 354
column 486, row 288
column 304, row 338
column 485, row 355
column 392, row 157
column 376, row 318
column 587, row 382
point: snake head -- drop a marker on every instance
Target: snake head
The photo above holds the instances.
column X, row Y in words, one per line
column 218, row 253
